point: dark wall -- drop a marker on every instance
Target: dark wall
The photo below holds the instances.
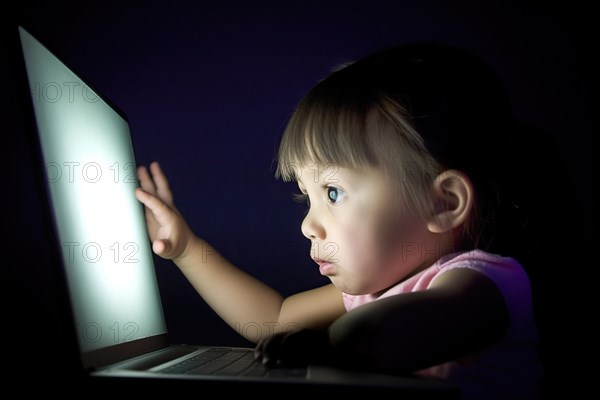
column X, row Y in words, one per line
column 208, row 88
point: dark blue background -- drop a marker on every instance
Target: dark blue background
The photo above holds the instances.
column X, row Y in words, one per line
column 208, row 88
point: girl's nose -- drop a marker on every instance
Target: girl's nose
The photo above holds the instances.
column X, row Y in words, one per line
column 311, row 228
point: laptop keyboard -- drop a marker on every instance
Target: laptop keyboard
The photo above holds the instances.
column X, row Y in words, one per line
column 220, row 361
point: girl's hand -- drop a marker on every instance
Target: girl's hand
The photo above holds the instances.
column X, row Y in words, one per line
column 294, row 349
column 168, row 231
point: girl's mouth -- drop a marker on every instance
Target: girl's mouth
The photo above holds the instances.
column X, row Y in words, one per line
column 325, row 267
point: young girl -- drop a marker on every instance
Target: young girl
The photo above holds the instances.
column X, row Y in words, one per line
column 396, row 156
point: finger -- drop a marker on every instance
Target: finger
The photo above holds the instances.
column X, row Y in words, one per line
column 160, row 247
column 146, row 180
column 259, row 350
column 258, row 353
column 158, row 208
column 162, row 184
column 270, row 350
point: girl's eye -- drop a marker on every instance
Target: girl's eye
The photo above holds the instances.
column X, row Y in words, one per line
column 335, row 195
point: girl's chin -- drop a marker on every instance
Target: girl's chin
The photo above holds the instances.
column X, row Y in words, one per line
column 345, row 288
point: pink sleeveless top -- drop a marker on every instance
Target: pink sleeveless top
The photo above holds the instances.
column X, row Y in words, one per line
column 510, row 368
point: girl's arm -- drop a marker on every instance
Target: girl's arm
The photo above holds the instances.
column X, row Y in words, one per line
column 250, row 306
column 460, row 314
column 245, row 303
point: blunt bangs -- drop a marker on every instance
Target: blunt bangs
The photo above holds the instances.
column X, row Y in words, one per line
column 326, row 133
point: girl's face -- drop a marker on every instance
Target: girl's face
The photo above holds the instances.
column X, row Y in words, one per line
column 361, row 238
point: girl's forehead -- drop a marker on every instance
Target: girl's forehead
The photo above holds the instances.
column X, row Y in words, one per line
column 332, row 173
column 316, row 170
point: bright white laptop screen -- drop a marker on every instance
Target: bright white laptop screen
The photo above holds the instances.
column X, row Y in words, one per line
column 91, row 176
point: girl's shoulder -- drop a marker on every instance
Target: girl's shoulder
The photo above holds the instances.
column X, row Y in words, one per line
column 500, row 269
column 507, row 274
column 474, row 257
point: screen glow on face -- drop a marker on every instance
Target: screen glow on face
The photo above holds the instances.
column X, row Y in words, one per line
column 91, row 173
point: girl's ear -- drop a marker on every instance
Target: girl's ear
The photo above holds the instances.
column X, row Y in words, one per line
column 454, row 197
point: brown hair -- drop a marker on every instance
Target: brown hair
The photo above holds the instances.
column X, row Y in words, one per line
column 410, row 111
column 360, row 134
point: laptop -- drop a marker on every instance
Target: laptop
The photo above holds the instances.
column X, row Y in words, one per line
column 88, row 167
